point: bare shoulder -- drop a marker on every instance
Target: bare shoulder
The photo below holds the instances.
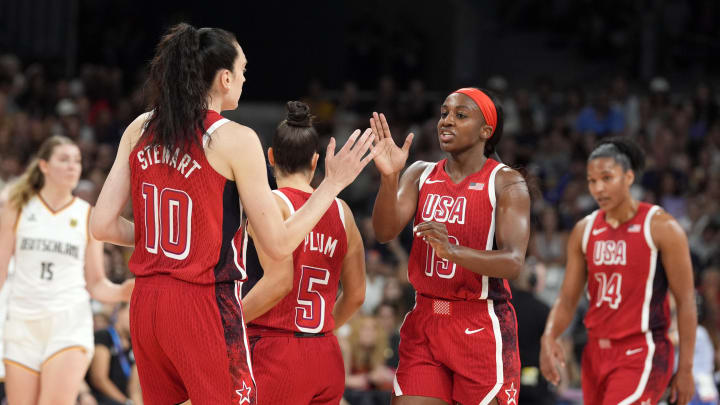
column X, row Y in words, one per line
column 664, row 226
column 350, row 218
column 507, row 176
column 231, row 136
column 415, row 170
column 134, row 131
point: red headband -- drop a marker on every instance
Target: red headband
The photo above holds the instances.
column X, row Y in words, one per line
column 486, row 105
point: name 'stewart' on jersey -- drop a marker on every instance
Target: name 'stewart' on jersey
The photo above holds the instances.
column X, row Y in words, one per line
column 158, row 154
column 610, row 253
column 319, row 242
column 47, row 245
column 444, row 208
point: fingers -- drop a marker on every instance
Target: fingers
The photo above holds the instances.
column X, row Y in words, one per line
column 385, row 126
column 364, row 143
column 429, row 225
column 370, row 156
column 408, row 142
column 350, row 142
column 383, row 131
column 330, row 152
column 375, row 130
column 673, row 392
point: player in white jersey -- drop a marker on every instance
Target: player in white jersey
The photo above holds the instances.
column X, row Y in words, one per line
column 48, row 334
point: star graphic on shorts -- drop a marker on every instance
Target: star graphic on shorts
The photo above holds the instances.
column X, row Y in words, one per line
column 244, row 394
column 511, row 392
column 646, row 402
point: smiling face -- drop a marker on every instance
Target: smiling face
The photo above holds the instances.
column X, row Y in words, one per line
column 461, row 125
column 608, row 182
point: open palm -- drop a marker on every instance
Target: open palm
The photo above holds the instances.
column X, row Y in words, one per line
column 389, row 158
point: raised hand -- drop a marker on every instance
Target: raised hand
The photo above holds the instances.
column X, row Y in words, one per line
column 390, row 158
column 342, row 168
column 551, row 359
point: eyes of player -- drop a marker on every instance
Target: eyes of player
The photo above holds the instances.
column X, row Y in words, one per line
column 444, row 114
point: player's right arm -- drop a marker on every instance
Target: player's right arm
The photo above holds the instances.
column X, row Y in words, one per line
column 106, row 222
column 9, row 215
column 352, row 276
column 277, row 279
column 563, row 310
column 239, row 148
column 397, row 197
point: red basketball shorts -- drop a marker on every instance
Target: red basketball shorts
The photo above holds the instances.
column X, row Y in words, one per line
column 459, row 351
column 633, row 370
column 189, row 342
column 296, row 370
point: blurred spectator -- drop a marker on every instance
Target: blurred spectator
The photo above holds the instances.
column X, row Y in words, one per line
column 601, row 118
column 369, row 379
column 112, row 374
column 531, row 316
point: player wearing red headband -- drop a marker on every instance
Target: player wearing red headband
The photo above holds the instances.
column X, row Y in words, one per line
column 471, row 225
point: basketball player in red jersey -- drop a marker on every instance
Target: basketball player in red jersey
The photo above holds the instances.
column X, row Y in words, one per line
column 629, row 253
column 188, row 170
column 472, row 224
column 295, row 336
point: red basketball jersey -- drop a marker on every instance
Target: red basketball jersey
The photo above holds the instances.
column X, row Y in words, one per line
column 468, row 211
column 317, row 266
column 187, row 215
column 627, row 285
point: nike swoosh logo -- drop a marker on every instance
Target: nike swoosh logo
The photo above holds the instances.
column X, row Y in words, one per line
column 596, row 232
column 434, row 181
column 470, row 332
column 633, row 351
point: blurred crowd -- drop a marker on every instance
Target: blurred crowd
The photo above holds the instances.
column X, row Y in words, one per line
column 549, row 131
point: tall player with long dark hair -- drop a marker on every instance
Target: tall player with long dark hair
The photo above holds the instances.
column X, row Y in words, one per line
column 628, row 253
column 296, row 335
column 188, row 170
column 472, row 225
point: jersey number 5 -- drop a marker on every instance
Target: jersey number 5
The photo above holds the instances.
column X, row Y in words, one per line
column 310, row 312
column 609, row 289
column 167, row 221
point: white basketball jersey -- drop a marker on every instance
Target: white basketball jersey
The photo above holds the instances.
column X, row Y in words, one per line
column 49, row 259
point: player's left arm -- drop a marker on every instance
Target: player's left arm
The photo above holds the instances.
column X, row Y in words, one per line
column 276, row 281
column 97, row 284
column 512, row 232
column 672, row 244
column 352, row 276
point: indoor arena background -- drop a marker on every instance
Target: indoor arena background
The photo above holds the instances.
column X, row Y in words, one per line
column 648, row 67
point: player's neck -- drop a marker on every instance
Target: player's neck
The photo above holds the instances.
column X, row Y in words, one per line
column 214, row 104
column 299, row 181
column 463, row 164
column 622, row 213
column 54, row 196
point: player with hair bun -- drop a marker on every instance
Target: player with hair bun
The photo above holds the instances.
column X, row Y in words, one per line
column 296, row 356
column 628, row 253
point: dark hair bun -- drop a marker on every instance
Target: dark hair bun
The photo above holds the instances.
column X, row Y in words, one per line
column 298, row 114
column 629, row 148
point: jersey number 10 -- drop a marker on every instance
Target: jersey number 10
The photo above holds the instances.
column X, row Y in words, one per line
column 167, row 221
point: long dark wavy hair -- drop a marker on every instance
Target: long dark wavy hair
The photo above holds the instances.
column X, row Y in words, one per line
column 181, row 75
